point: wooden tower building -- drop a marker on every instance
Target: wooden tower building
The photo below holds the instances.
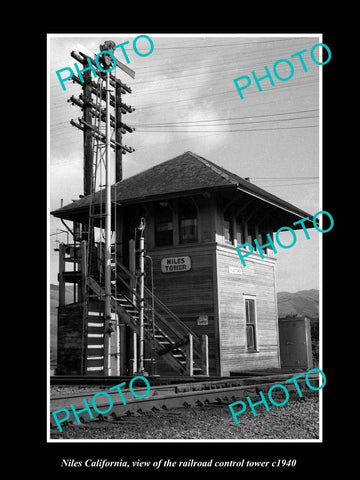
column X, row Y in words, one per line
column 204, row 313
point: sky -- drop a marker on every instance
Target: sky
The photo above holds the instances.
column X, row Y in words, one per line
column 185, row 98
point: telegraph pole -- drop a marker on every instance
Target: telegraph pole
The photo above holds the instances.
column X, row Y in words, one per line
column 88, row 150
column 107, row 310
column 90, row 132
column 118, row 135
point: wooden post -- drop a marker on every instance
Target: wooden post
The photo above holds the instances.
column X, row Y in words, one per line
column 234, row 223
column 107, row 312
column 134, row 353
column 118, row 137
column 117, row 346
column 88, row 153
column 82, row 288
column 87, row 231
column 205, row 354
column 82, row 298
column 60, row 275
column 122, row 327
column 246, row 231
column 190, row 356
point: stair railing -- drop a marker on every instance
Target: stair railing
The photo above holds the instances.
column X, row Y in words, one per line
column 167, row 323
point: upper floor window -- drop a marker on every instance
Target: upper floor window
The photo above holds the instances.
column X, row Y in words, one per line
column 187, row 221
column 240, row 231
column 251, row 234
column 228, row 230
column 264, row 240
column 163, row 225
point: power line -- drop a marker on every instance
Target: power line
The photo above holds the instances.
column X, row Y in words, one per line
column 230, row 124
column 226, row 92
column 290, row 184
column 225, row 131
column 233, row 118
column 284, row 178
column 236, row 68
column 226, row 44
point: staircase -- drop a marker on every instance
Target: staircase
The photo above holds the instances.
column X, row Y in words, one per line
column 168, row 337
column 94, row 341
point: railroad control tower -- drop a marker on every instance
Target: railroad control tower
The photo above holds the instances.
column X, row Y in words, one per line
column 203, row 313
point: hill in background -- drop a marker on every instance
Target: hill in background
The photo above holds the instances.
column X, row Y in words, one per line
column 300, row 304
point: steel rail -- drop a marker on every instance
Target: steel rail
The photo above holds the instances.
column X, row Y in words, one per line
column 165, row 397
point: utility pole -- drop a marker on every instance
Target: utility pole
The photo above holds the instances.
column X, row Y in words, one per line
column 107, row 310
column 91, row 132
column 88, row 150
column 118, row 135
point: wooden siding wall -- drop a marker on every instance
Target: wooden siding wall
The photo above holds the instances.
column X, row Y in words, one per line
column 257, row 279
column 69, row 335
column 190, row 294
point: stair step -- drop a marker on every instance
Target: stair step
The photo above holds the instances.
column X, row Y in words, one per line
column 195, row 369
column 165, row 344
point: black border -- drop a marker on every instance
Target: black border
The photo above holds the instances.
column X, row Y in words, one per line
column 311, row 457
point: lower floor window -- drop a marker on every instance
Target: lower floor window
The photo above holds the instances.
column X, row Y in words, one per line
column 250, row 316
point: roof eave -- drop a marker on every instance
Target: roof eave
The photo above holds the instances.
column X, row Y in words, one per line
column 294, row 211
column 67, row 213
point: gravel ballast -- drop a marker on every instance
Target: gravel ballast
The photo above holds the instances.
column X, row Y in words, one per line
column 298, row 419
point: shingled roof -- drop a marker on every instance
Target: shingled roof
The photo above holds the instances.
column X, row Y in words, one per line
column 184, row 174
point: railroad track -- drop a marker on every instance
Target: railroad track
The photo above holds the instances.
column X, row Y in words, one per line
column 170, row 395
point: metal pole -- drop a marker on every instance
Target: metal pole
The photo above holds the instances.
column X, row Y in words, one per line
column 153, row 372
column 118, row 351
column 107, row 312
column 133, row 285
column 141, row 292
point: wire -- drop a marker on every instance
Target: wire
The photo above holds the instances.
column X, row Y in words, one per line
column 281, row 178
column 231, row 118
column 235, row 123
column 224, row 55
column 291, row 184
column 232, row 92
column 225, row 44
column 226, row 131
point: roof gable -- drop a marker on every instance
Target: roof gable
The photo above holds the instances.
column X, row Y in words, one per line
column 183, row 174
column 180, row 174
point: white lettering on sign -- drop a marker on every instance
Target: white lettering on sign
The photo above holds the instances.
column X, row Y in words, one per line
column 175, row 264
